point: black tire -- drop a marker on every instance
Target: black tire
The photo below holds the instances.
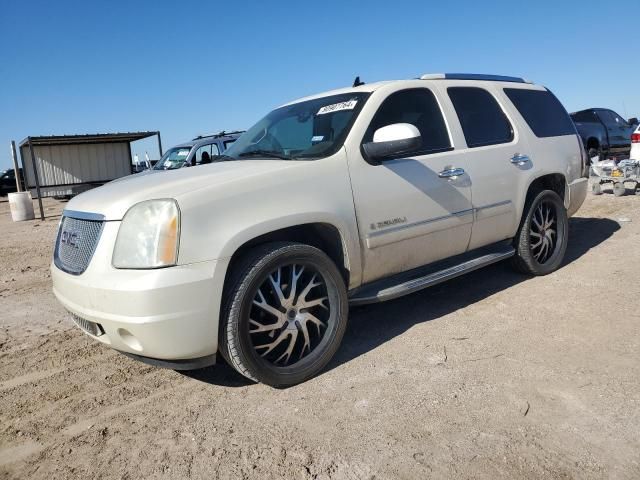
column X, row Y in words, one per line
column 530, row 258
column 619, row 189
column 242, row 299
column 592, row 153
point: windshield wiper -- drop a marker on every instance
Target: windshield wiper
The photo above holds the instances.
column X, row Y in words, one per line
column 263, row 153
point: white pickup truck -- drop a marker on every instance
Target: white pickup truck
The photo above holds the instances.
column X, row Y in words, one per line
column 353, row 196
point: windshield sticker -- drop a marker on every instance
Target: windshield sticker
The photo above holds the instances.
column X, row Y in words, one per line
column 317, row 138
column 337, row 107
column 183, row 153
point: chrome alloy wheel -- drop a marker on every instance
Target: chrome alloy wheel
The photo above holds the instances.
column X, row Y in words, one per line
column 543, row 232
column 289, row 315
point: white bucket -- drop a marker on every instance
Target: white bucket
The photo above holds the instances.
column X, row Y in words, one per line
column 21, row 206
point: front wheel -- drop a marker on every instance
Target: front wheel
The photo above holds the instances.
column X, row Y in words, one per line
column 284, row 315
column 541, row 240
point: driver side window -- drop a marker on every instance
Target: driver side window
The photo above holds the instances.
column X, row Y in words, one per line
column 420, row 108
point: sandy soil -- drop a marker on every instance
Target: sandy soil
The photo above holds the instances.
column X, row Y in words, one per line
column 494, row 375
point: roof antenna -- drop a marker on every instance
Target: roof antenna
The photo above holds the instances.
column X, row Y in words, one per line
column 357, row 82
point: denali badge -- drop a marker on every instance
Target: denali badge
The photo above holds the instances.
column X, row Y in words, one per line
column 70, row 238
column 388, row 223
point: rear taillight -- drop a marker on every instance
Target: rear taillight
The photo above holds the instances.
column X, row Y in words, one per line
column 583, row 157
column 635, row 138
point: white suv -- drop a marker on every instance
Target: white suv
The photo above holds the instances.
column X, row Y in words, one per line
column 348, row 197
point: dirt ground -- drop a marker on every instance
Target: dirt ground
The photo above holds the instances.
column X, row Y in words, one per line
column 493, row 375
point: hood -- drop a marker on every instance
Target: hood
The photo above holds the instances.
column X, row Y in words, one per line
column 114, row 199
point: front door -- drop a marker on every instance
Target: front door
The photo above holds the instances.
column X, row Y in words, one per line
column 618, row 129
column 411, row 211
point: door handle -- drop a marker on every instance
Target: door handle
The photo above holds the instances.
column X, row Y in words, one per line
column 451, row 173
column 519, row 160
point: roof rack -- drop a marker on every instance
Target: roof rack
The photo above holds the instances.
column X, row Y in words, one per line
column 223, row 133
column 472, row 76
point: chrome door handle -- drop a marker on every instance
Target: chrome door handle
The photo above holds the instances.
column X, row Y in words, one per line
column 451, row 173
column 518, row 159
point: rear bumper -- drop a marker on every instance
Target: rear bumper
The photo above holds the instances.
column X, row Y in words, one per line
column 577, row 193
column 168, row 314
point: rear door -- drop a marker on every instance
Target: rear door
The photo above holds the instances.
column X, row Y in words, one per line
column 495, row 156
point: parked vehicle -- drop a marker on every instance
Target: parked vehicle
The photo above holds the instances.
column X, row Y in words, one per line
column 349, row 197
column 635, row 144
column 604, row 132
column 201, row 150
column 8, row 181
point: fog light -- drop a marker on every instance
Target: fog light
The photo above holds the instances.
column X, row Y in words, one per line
column 129, row 340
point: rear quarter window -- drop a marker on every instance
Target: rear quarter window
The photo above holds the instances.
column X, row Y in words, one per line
column 542, row 111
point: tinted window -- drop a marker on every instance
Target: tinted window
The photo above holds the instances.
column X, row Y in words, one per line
column 419, row 108
column 483, row 121
column 586, row 116
column 214, row 149
column 542, row 111
column 612, row 119
column 204, row 153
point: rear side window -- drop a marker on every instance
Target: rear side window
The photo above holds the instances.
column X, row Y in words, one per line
column 420, row 108
column 542, row 111
column 586, row 116
column 483, row 121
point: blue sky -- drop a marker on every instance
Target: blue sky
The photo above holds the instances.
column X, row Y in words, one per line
column 186, row 68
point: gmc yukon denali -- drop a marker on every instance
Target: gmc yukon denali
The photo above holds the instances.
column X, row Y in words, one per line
column 353, row 196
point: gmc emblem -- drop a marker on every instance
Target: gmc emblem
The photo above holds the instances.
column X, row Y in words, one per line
column 70, row 238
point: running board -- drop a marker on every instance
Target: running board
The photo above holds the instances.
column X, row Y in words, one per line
column 423, row 277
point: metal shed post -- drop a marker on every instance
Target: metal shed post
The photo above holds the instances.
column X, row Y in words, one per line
column 16, row 169
column 159, row 143
column 35, row 174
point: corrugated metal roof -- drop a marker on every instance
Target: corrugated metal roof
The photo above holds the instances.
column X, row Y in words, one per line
column 118, row 137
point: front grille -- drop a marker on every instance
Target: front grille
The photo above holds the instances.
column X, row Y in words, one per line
column 91, row 328
column 77, row 241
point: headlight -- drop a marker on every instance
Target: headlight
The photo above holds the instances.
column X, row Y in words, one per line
column 148, row 236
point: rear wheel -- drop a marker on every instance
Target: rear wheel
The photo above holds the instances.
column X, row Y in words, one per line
column 285, row 314
column 619, row 189
column 541, row 241
column 594, row 154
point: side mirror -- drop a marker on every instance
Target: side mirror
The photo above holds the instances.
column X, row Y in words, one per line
column 633, row 121
column 392, row 141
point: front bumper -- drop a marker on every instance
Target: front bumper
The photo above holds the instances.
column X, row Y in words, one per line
column 164, row 314
column 168, row 314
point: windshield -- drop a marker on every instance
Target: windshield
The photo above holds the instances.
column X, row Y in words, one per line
column 173, row 158
column 312, row 129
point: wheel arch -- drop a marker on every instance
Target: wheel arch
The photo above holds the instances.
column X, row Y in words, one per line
column 556, row 182
column 593, row 142
column 324, row 235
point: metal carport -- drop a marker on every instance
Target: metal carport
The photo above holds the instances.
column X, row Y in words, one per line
column 68, row 164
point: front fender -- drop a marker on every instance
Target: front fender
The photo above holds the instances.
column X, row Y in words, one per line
column 216, row 222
